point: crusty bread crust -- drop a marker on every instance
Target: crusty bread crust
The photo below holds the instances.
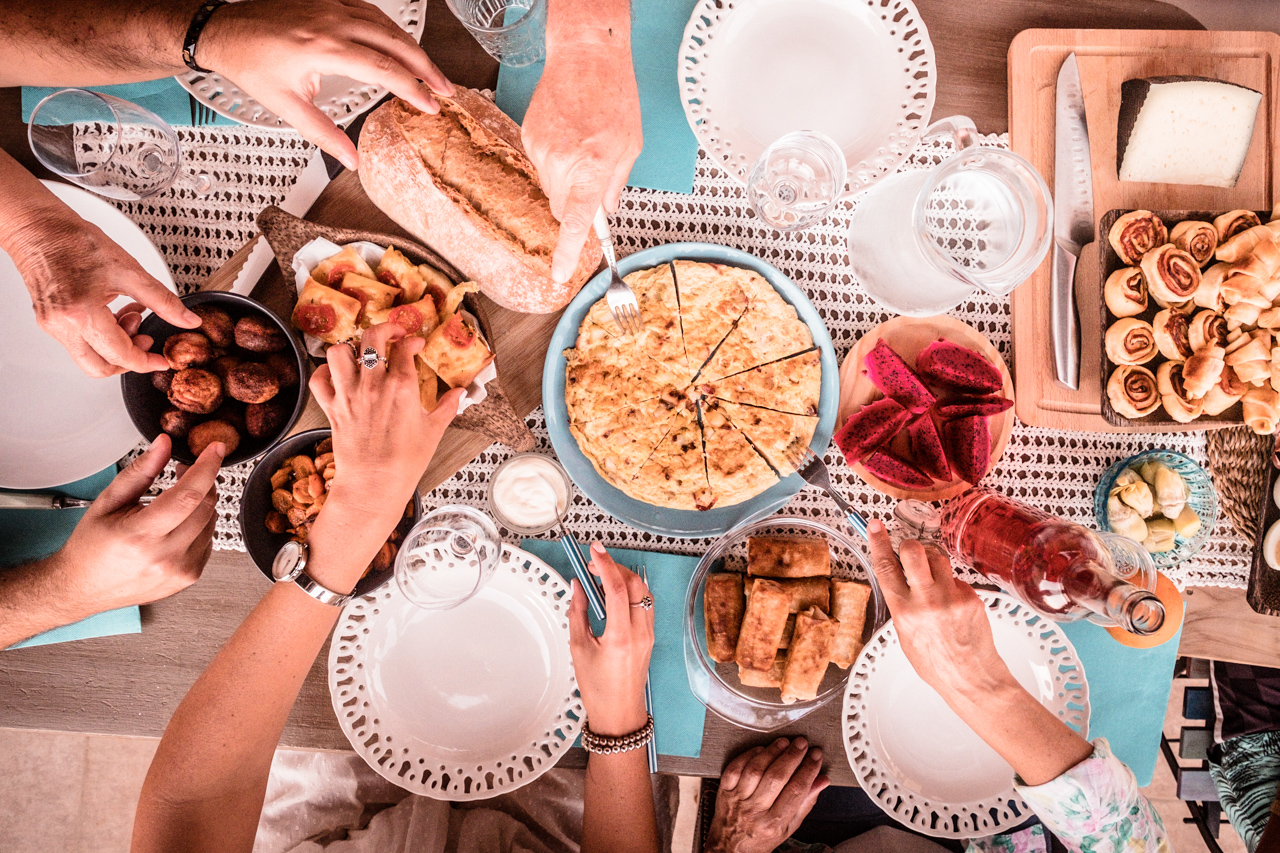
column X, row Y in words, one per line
column 430, row 207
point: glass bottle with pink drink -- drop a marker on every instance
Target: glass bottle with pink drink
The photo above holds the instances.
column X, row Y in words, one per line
column 1060, row 569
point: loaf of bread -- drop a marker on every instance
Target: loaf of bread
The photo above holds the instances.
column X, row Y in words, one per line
column 460, row 182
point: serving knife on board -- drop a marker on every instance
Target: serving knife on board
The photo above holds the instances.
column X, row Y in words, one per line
column 1073, row 224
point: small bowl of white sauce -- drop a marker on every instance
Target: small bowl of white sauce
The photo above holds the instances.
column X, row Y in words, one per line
column 529, row 493
column 1271, row 547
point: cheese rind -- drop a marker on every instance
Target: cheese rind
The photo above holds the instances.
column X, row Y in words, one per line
column 1184, row 130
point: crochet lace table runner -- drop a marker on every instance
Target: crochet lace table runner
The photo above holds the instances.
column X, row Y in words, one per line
column 1051, row 469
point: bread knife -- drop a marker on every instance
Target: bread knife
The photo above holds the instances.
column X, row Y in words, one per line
column 47, row 500
column 1073, row 225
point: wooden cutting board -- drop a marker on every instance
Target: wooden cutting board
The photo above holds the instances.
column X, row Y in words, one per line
column 1107, row 58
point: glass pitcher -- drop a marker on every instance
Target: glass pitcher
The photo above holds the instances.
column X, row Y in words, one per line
column 923, row 241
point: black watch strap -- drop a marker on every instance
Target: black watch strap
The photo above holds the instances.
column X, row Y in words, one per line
column 201, row 17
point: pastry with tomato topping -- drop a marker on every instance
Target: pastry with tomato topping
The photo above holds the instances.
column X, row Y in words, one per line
column 331, row 270
column 326, row 314
column 419, row 318
column 454, row 349
column 396, row 270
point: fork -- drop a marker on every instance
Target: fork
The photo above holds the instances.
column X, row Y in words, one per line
column 810, row 466
column 622, row 301
column 648, row 694
column 201, row 113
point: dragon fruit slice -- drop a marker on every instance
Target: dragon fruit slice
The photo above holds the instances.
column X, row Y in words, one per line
column 870, row 427
column 888, row 372
column 964, row 407
column 968, row 443
column 960, row 368
column 896, row 471
column 926, row 447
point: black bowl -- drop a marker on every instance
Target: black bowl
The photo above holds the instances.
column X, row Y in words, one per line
column 261, row 543
column 145, row 403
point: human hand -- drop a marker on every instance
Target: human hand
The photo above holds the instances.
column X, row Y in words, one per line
column 941, row 622
column 122, row 553
column 765, row 793
column 277, row 50
column 73, row 272
column 582, row 132
column 612, row 669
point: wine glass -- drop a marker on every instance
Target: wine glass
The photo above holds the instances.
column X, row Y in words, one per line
column 109, row 146
column 447, row 557
column 797, row 180
column 511, row 31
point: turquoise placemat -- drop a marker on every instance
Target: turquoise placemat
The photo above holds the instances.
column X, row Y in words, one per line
column 678, row 716
column 1128, row 693
column 164, row 97
column 30, row 534
column 670, row 148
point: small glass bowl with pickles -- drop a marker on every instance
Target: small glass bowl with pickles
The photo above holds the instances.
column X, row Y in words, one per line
column 1161, row 499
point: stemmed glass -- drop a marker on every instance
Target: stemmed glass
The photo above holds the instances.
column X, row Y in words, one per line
column 447, row 557
column 109, row 146
column 797, row 180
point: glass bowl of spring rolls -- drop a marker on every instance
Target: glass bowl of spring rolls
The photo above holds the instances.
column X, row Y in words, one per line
column 1160, row 499
column 776, row 613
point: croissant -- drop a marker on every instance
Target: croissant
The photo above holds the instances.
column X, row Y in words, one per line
column 1255, row 373
column 1133, row 391
column 1172, row 335
column 1225, row 393
column 1249, row 348
column 1132, row 341
column 1197, row 239
column 1180, row 405
column 1233, row 222
column 1275, row 368
column 1202, row 370
column 1269, row 319
column 1136, row 233
column 1126, row 292
column 1172, row 275
column 1207, row 327
column 1238, row 246
column 1261, row 409
column 1209, row 293
column 1124, row 520
column 1242, row 314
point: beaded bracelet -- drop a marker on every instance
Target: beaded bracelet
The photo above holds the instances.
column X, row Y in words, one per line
column 593, row 742
column 201, row 17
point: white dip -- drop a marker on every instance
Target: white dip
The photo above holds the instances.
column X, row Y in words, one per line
column 530, row 492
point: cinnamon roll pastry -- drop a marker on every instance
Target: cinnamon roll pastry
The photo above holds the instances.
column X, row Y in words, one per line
column 1180, row 405
column 1225, row 393
column 1233, row 222
column 1237, row 248
column 1202, row 371
column 1209, row 293
column 1133, row 391
column 1262, row 409
column 1207, row 327
column 1132, row 341
column 1136, row 233
column 1172, row 332
column 1197, row 239
column 1172, row 275
column 1126, row 292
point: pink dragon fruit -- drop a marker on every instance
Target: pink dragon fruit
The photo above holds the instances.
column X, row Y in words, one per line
column 896, row 471
column 888, row 372
column 964, row 407
column 958, row 368
column 870, row 427
column 968, row 443
column 926, row 448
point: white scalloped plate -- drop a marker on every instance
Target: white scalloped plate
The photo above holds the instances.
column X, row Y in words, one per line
column 919, row 761
column 461, row 704
column 860, row 71
column 340, row 98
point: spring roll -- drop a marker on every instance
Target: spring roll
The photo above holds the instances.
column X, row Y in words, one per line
column 808, row 656
column 772, row 678
column 788, row 557
column 762, row 625
column 805, row 593
column 723, row 605
column 849, row 608
column 788, row 632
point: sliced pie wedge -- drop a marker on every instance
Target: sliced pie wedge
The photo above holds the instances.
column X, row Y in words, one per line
column 660, row 339
column 735, row 471
column 773, row 433
column 767, row 331
column 711, row 301
column 675, row 475
column 607, row 377
column 621, row 441
column 792, row 384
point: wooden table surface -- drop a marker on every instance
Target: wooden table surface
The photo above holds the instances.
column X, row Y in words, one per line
column 131, row 684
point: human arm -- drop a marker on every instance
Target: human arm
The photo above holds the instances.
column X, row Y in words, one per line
column 206, row 784
column 765, row 794
column 274, row 50
column 582, row 129
column 121, row 553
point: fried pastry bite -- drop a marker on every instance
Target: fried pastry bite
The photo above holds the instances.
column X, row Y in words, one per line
column 195, row 390
column 188, row 349
column 224, row 364
column 161, row 379
column 285, row 367
column 205, row 434
column 216, row 324
column 265, row 419
column 258, row 335
column 252, row 382
column 176, row 422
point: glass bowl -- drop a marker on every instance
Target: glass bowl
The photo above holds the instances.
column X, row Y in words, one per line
column 496, row 511
column 1200, row 497
column 716, row 684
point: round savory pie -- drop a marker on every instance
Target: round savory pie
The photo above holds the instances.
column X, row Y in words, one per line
column 700, row 407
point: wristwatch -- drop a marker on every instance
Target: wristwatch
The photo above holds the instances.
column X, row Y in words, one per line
column 290, row 565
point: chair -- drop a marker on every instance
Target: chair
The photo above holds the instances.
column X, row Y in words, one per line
column 1195, row 786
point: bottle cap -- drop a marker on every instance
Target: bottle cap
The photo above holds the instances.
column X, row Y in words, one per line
column 1173, row 613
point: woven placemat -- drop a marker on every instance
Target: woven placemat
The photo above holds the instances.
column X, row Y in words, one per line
column 1239, row 463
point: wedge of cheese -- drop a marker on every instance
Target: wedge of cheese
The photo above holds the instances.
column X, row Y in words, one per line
column 1184, row 130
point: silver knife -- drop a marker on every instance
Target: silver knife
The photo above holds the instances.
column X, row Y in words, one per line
column 1073, row 225
column 46, row 500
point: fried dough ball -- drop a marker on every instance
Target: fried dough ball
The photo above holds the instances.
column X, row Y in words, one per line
column 265, row 419
column 258, row 335
column 232, row 412
column 223, row 365
column 252, row 382
column 161, row 379
column 285, row 367
column 196, row 390
column 188, row 349
column 217, row 325
column 177, row 422
column 276, row 522
column 205, row 434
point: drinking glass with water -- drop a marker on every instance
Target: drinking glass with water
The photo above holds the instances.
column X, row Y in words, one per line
column 797, row 180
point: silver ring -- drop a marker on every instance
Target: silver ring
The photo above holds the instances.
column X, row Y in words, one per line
column 370, row 359
column 645, row 603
